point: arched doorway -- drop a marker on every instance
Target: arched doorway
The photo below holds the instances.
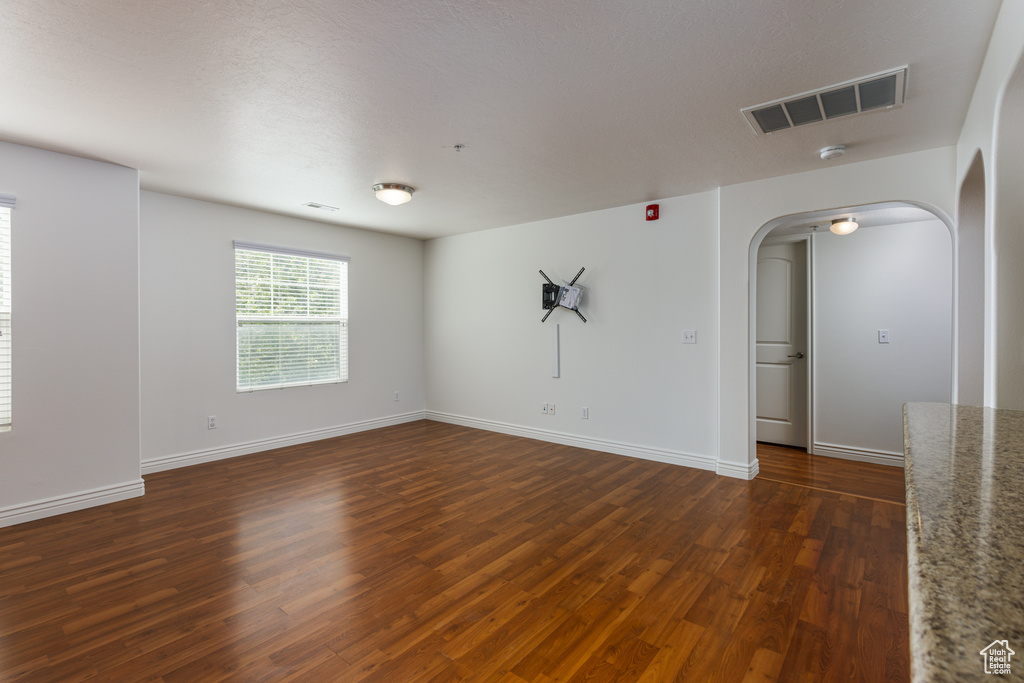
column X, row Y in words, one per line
column 844, row 334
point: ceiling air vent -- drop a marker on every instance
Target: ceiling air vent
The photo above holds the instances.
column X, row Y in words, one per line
column 878, row 91
column 322, row 207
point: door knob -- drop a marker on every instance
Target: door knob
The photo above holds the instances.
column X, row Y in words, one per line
column 798, row 354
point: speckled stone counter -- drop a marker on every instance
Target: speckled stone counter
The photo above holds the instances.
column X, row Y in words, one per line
column 965, row 538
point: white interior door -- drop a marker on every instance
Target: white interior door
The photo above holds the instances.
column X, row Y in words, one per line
column 782, row 351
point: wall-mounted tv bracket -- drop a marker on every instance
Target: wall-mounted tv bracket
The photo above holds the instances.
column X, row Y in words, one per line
column 568, row 296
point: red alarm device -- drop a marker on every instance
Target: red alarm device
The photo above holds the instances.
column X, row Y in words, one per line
column 652, row 212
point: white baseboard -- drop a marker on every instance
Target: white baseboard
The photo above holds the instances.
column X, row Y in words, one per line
column 703, row 462
column 738, row 470
column 171, row 462
column 859, row 454
column 79, row 500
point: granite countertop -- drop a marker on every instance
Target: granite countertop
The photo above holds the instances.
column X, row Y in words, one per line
column 965, row 537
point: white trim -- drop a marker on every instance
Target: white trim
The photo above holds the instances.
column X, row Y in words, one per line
column 288, row 251
column 171, row 462
column 69, row 502
column 7, row 200
column 738, row 470
column 811, row 340
column 702, row 462
column 859, row 454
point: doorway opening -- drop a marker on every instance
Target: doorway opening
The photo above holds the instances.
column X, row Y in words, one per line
column 844, row 329
column 782, row 341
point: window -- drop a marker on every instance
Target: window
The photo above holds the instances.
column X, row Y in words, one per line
column 291, row 309
column 6, row 202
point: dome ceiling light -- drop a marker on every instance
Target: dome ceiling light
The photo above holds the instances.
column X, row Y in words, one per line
column 843, row 226
column 393, row 193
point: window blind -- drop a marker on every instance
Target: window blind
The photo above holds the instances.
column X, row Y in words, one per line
column 291, row 310
column 5, row 314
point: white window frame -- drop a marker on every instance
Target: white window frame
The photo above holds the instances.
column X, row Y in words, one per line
column 6, row 209
column 340, row 317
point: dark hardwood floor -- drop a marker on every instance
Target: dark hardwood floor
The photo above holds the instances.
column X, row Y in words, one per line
column 864, row 479
column 429, row 552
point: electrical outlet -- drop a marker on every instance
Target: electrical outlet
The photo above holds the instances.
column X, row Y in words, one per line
column 585, row 413
column 396, row 395
column 551, row 409
column 543, row 408
column 883, row 336
column 211, row 422
column 689, row 336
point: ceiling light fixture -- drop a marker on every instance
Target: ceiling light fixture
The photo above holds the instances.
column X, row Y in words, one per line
column 393, row 193
column 844, row 226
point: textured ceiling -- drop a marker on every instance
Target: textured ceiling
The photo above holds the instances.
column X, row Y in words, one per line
column 563, row 107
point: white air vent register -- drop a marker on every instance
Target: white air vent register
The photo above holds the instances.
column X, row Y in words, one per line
column 880, row 91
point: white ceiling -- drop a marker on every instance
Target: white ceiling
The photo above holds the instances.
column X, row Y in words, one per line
column 563, row 107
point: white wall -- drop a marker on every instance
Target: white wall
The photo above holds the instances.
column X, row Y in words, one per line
column 188, row 334
column 746, row 210
column 1005, row 49
column 1002, row 201
column 1008, row 236
column 489, row 356
column 74, row 441
column 970, row 297
column 488, row 363
column 896, row 277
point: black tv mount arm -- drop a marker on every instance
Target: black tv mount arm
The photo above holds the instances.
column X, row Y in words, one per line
column 551, row 295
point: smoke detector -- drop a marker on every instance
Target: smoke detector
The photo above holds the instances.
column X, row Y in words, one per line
column 832, row 152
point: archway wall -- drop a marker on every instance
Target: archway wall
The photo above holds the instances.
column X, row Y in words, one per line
column 925, row 178
column 1003, row 56
column 990, row 129
column 1008, row 238
column 970, row 307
